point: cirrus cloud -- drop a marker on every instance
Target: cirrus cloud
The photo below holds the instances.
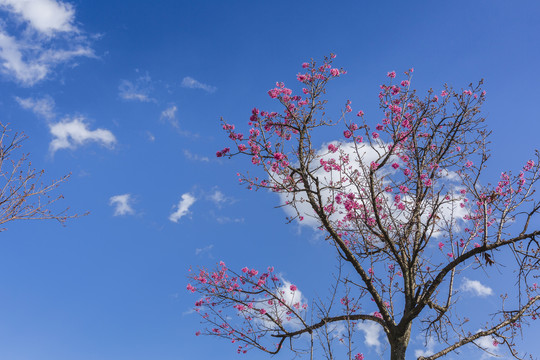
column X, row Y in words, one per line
column 191, row 83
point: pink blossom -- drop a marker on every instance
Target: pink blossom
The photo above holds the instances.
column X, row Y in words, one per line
column 450, row 255
column 245, row 269
column 444, row 93
column 529, row 165
column 262, row 311
column 377, row 315
column 401, row 206
column 405, row 83
column 375, row 135
column 441, row 245
column 428, row 182
column 334, row 72
column 219, row 154
column 273, row 93
column 293, row 287
column 190, row 287
column 332, row 148
column 347, row 134
column 468, row 164
column 197, row 333
column 359, row 356
column 305, row 65
column 360, row 113
column 374, row 165
column 395, row 165
column 301, row 77
column 391, row 74
column 403, row 189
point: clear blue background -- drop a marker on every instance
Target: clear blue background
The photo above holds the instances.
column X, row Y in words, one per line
column 113, row 287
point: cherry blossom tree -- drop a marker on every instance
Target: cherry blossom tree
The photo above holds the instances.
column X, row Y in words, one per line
column 23, row 196
column 405, row 207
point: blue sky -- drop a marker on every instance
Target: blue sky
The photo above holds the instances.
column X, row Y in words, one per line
column 127, row 97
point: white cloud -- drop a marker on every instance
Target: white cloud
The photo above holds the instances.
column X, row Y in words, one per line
column 136, row 91
column 372, row 332
column 122, row 204
column 169, row 114
column 428, row 351
column 71, row 133
column 48, row 38
column 183, row 207
column 46, row 16
column 43, row 107
column 203, row 250
column 476, row 288
column 191, row 83
column 188, row 154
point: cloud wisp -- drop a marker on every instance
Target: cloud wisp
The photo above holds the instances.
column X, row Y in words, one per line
column 169, row 115
column 48, row 37
column 122, row 204
column 182, row 209
column 191, row 83
column 43, row 107
column 195, row 157
column 138, row 90
column 204, row 250
column 74, row 132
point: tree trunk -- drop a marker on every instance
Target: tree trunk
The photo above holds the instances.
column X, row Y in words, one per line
column 399, row 343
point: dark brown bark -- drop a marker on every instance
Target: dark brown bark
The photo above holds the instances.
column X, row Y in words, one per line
column 399, row 341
